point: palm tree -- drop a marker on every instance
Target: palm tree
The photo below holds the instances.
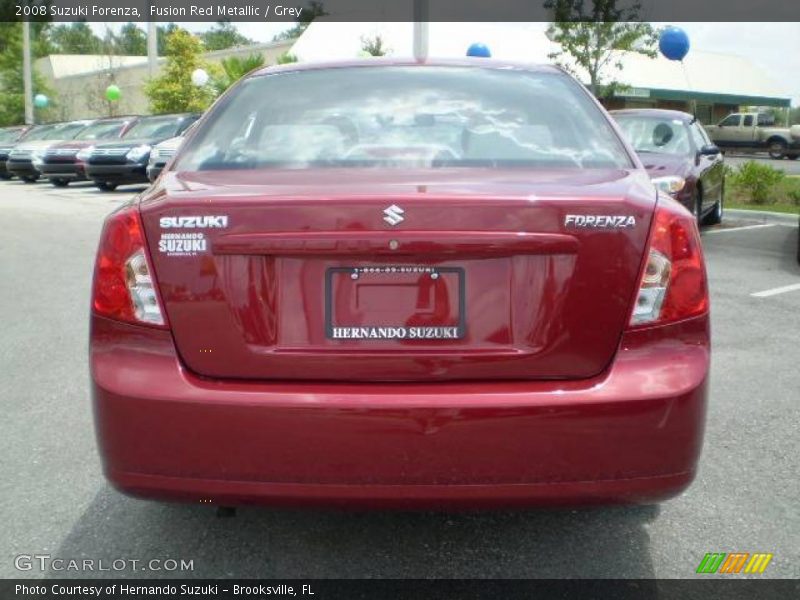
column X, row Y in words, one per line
column 233, row 69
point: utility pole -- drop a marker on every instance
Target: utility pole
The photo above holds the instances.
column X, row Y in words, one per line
column 152, row 48
column 27, row 76
column 420, row 30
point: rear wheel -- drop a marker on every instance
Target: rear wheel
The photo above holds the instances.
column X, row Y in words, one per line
column 777, row 149
column 30, row 178
column 106, row 186
column 792, row 156
column 59, row 182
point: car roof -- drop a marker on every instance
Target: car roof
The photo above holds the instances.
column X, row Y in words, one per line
column 655, row 112
column 406, row 62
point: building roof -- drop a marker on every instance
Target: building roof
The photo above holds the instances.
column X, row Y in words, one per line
column 707, row 76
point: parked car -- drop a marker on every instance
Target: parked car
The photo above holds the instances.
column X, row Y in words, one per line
column 679, row 157
column 125, row 161
column 9, row 137
column 447, row 283
column 60, row 162
column 756, row 132
column 161, row 155
column 25, row 158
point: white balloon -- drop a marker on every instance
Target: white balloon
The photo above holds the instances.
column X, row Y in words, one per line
column 199, row 77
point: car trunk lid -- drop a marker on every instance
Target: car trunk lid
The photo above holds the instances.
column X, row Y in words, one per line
column 399, row 276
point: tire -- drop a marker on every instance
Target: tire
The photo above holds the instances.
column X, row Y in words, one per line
column 6, row 177
column 30, row 178
column 697, row 203
column 716, row 214
column 59, row 182
column 793, row 156
column 777, row 149
column 798, row 240
column 106, row 186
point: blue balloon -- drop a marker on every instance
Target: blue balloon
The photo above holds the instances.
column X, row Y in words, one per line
column 479, row 50
column 674, row 43
column 40, row 101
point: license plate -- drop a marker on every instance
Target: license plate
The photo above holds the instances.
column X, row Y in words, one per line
column 395, row 302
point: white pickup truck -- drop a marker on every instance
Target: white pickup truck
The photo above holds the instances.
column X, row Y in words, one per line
column 754, row 132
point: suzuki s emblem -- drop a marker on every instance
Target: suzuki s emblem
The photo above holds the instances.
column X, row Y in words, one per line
column 394, row 215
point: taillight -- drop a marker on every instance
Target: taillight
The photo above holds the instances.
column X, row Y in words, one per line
column 124, row 287
column 673, row 284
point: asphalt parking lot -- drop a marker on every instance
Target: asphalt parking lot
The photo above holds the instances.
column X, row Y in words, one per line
column 56, row 502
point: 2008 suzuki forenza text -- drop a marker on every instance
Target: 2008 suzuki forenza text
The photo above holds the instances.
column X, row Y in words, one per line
column 392, row 283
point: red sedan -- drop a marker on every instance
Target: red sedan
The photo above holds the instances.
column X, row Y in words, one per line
column 401, row 284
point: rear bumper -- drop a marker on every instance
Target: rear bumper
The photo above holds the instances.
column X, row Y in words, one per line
column 127, row 173
column 633, row 434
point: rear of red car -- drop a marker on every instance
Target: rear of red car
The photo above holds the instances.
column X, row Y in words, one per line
column 447, row 284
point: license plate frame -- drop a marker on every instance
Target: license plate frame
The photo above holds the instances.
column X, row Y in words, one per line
column 429, row 333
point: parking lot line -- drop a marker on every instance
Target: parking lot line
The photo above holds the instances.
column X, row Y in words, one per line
column 761, row 226
column 775, row 291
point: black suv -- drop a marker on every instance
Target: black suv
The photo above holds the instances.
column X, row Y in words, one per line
column 125, row 161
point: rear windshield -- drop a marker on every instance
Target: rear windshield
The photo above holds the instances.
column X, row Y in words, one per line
column 101, row 131
column 406, row 117
column 154, row 127
column 655, row 134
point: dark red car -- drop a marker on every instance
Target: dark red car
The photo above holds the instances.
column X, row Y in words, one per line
column 393, row 283
column 63, row 163
column 680, row 158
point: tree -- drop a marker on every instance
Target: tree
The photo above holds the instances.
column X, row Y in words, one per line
column 131, row 41
column 375, row 46
column 312, row 11
column 75, row 38
column 233, row 69
column 223, row 35
column 162, row 33
column 173, row 90
column 594, row 38
column 12, row 95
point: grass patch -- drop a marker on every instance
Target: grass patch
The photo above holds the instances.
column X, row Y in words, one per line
column 760, row 187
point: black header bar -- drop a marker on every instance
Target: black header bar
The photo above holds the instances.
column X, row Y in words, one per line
column 393, row 10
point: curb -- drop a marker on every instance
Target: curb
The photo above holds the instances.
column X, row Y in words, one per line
column 764, row 215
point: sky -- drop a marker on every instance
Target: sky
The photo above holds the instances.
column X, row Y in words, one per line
column 774, row 47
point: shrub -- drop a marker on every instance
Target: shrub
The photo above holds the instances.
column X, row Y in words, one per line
column 757, row 180
column 286, row 58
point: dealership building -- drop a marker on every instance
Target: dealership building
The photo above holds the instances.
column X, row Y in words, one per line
column 712, row 84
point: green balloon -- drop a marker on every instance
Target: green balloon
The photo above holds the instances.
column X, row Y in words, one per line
column 40, row 101
column 113, row 93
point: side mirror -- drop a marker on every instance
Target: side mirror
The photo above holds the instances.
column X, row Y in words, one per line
column 709, row 150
